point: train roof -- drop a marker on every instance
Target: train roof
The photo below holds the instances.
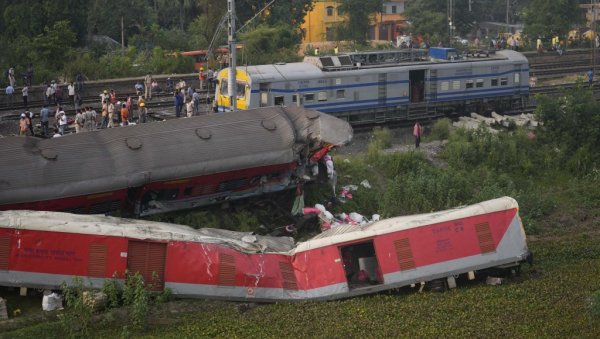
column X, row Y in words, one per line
column 313, row 68
column 116, row 158
column 141, row 229
column 349, row 233
column 241, row 241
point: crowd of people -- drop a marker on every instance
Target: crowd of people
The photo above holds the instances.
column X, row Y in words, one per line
column 114, row 111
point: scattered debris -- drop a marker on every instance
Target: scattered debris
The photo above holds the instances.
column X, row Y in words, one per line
column 493, row 281
column 365, row 184
column 3, row 311
column 51, row 301
column 476, row 120
column 97, row 301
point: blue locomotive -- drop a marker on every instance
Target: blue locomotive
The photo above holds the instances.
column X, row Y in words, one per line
column 382, row 86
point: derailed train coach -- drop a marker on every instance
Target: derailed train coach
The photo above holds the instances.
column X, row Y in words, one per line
column 386, row 86
column 44, row 249
column 165, row 166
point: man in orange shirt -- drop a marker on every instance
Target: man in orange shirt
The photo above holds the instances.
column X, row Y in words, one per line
column 124, row 115
column 23, row 124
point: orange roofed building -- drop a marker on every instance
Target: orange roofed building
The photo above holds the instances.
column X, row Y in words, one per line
column 320, row 23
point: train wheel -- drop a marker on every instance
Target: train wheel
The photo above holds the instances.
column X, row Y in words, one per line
column 438, row 285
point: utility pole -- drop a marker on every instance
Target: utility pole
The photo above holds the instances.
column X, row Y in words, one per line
column 122, row 36
column 232, row 82
column 450, row 12
column 593, row 42
column 507, row 12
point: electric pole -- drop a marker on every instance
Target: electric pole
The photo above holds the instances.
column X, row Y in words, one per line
column 450, row 12
column 595, row 37
column 507, row 12
column 232, row 82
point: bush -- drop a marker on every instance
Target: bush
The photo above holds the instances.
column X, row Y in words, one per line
column 595, row 304
column 137, row 297
column 77, row 316
column 441, row 129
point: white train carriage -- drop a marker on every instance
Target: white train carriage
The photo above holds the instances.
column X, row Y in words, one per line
column 384, row 86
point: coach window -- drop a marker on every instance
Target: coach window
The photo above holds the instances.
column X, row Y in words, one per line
column 445, row 86
column 167, row 194
column 456, row 85
column 494, row 82
column 479, row 83
column 309, row 97
column 322, row 96
column 469, row 84
column 279, row 101
column 340, row 94
column 503, row 81
column 517, row 78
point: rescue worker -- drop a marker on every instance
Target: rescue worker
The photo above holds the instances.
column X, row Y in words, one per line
column 44, row 119
column 104, row 114
column 111, row 115
column 148, row 86
column 23, row 124
column 201, row 77
column 143, row 112
column 124, row 115
column 62, row 122
column 29, row 115
column 78, row 122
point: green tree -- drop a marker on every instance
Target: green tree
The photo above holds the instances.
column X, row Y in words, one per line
column 290, row 13
column 430, row 17
column 54, row 45
column 543, row 18
column 571, row 124
column 358, row 12
column 268, row 45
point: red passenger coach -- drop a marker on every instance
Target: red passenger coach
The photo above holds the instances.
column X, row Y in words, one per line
column 45, row 249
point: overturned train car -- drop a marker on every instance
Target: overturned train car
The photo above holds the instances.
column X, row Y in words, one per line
column 44, row 249
column 165, row 166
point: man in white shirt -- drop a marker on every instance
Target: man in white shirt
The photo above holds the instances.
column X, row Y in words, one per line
column 25, row 92
column 71, row 89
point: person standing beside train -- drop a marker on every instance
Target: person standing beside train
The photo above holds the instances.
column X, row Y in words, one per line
column 78, row 122
column 23, row 125
column 62, row 121
column 111, row 115
column 44, row 119
column 178, row 98
column 71, row 90
column 124, row 115
column 148, row 86
column 417, row 133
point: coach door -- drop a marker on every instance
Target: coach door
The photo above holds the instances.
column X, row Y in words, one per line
column 265, row 88
column 432, row 85
column 361, row 266
column 416, row 80
column 148, row 258
column 517, row 79
column 5, row 241
column 382, row 89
